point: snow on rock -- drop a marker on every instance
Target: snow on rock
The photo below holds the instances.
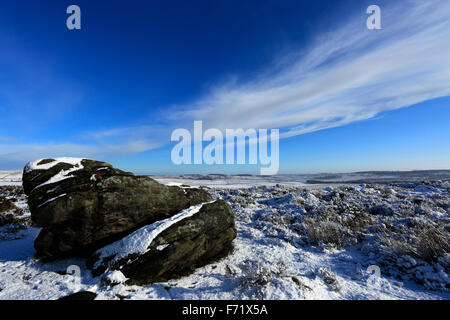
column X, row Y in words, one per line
column 162, row 247
column 62, row 175
column 139, row 241
column 114, row 277
column 52, row 199
column 34, row 165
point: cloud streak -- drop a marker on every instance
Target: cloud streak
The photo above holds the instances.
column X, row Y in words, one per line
column 348, row 75
column 93, row 144
column 14, row 156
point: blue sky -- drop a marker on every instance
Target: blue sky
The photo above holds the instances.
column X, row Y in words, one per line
column 345, row 98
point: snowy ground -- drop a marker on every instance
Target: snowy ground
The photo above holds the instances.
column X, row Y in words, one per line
column 293, row 243
column 8, row 178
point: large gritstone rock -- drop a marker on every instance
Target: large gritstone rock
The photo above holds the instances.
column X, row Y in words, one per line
column 82, row 205
column 171, row 247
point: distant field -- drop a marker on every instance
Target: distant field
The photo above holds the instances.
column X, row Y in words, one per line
column 10, row 178
column 306, row 180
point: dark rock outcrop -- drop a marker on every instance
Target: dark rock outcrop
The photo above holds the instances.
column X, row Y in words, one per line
column 3, row 220
column 82, row 205
column 192, row 242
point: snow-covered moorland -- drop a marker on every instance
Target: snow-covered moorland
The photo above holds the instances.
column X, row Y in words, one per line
column 294, row 242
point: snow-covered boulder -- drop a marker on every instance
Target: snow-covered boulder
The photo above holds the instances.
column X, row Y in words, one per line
column 170, row 247
column 84, row 204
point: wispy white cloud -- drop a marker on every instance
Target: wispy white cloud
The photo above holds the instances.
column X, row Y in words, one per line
column 94, row 144
column 13, row 156
column 154, row 135
column 347, row 75
column 8, row 139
